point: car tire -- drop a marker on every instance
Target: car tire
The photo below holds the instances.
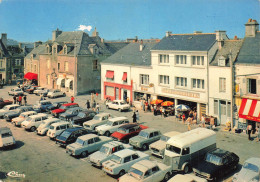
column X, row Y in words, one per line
column 144, row 147
column 166, row 177
column 84, row 154
column 186, row 169
column 107, row 133
column 33, row 129
column 121, row 173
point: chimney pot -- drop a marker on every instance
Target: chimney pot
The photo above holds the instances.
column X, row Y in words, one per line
column 249, row 20
column 235, row 37
column 168, row 33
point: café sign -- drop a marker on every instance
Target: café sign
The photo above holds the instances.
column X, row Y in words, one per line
column 181, row 93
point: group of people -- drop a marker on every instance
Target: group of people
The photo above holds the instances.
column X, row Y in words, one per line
column 94, row 106
column 250, row 130
column 19, row 99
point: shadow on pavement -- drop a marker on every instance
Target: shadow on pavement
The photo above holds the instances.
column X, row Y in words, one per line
column 2, row 175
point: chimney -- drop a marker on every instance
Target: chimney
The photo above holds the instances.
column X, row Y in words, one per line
column 168, row 33
column 252, row 27
column 141, row 45
column 197, row 32
column 36, row 44
column 95, row 33
column 235, row 37
column 20, row 45
column 4, row 38
column 102, row 40
column 55, row 34
column 220, row 37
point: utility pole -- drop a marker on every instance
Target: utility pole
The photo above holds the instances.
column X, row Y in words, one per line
column 232, row 89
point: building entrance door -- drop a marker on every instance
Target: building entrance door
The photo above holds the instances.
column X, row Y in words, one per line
column 125, row 95
column 223, row 112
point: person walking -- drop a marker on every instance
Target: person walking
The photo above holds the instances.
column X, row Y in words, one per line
column 203, row 121
column 137, row 115
column 154, row 110
column 257, row 133
column 249, row 129
column 25, row 99
column 134, row 118
column 96, row 95
column 97, row 108
column 72, row 99
column 142, row 104
column 94, row 105
column 163, row 112
column 14, row 97
column 20, row 99
column 88, row 104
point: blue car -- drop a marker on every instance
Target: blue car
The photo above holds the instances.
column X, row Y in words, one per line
column 41, row 106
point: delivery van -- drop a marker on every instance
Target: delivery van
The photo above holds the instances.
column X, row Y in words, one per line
column 6, row 138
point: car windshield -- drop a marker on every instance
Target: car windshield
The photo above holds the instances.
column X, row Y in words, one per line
column 79, row 141
column 65, row 134
column 5, row 108
column 213, row 159
column 122, row 102
column 110, row 123
column 164, row 138
column 5, row 135
column 122, row 130
column 62, row 107
column 96, row 117
column 116, row 159
column 69, row 112
column 105, row 150
column 135, row 173
column 144, row 134
column 52, row 127
column 28, row 119
column 251, row 167
column 81, row 115
column 173, row 148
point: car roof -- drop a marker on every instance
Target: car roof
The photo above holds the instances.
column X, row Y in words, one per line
column 60, row 123
column 11, row 105
column 128, row 126
column 74, row 108
column 44, row 101
column 117, row 119
column 88, row 136
column 57, row 102
column 150, row 130
column 220, row 152
column 171, row 133
column 144, row 165
column 103, row 114
column 69, row 104
column 23, row 107
column 51, row 120
column 38, row 115
column 113, row 144
column 29, row 112
column 87, row 111
column 124, row 153
column 74, row 129
column 254, row 160
column 4, row 130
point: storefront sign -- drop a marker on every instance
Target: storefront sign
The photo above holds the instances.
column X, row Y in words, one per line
column 182, row 93
column 257, row 119
column 144, row 89
column 241, row 126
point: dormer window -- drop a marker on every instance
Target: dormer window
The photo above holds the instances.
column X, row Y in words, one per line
column 93, row 48
column 48, row 49
column 54, row 50
column 222, row 61
column 65, row 50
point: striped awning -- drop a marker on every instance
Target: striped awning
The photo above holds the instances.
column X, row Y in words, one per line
column 250, row 110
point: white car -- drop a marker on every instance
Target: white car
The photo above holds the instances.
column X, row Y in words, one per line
column 34, row 121
column 187, row 178
column 57, row 128
column 106, row 151
column 147, row 171
column 43, row 92
column 121, row 161
column 98, row 120
column 18, row 120
column 37, row 90
column 111, row 126
column 45, row 125
column 56, row 93
column 15, row 91
column 7, row 109
column 119, row 105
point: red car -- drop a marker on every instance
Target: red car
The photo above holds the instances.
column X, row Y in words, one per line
column 127, row 131
column 56, row 112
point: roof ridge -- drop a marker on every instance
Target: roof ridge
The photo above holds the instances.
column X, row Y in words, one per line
column 193, row 34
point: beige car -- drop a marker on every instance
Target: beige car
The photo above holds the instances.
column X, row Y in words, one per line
column 158, row 147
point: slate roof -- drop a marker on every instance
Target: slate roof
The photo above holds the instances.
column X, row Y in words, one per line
column 3, row 49
column 115, row 46
column 229, row 45
column 131, row 55
column 250, row 50
column 187, row 42
column 36, row 51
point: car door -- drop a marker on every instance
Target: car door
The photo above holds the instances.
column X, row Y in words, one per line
column 156, row 174
column 91, row 145
column 114, row 127
column 156, row 136
column 98, row 143
column 128, row 162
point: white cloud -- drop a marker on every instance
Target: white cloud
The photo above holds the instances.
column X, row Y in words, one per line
column 83, row 27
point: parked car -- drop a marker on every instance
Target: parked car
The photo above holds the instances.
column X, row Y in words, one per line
column 145, row 138
column 45, row 125
column 68, row 114
column 111, row 126
column 37, row 90
column 83, row 116
column 86, row 144
column 127, row 131
column 56, row 93
column 31, row 89
column 98, row 120
column 6, row 138
column 15, row 113
column 7, row 109
column 4, row 103
column 18, row 120
column 187, row 178
column 56, row 112
column 42, row 105
column 121, row 161
column 55, row 105
column 216, row 164
column 158, row 147
column 70, row 135
column 33, row 122
column 43, row 92
column 147, row 171
column 57, row 128
column 15, row 91
column 119, row 105
column 250, row 171
column 106, row 151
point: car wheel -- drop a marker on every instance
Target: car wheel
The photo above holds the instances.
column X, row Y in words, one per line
column 107, row 133
column 144, row 147
column 120, row 110
column 186, row 169
column 84, row 154
column 107, row 107
column 121, row 173
column 33, row 129
column 166, row 177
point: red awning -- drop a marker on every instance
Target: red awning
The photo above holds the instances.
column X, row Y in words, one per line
column 31, row 76
column 250, row 109
column 124, row 76
column 110, row 74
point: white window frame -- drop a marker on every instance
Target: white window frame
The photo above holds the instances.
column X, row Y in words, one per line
column 181, row 82
column 249, row 86
column 163, row 58
column 197, row 60
column 144, row 79
column 180, row 59
column 164, row 80
column 198, row 83
column 222, row 85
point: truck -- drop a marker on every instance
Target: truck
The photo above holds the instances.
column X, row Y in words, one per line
column 185, row 150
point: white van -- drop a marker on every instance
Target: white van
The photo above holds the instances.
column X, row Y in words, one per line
column 186, row 149
column 45, row 125
column 57, row 128
column 6, row 137
column 34, row 121
column 18, row 120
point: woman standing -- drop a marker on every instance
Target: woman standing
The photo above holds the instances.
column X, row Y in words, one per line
column 134, row 118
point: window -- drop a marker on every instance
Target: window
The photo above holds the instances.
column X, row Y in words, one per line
column 222, row 84
column 144, row 79
column 135, row 156
column 48, row 64
column 151, row 135
column 58, row 66
column 251, row 86
column 66, row 66
column 185, row 151
column 35, row 68
column 198, row 83
column 164, row 80
column 1, row 64
column 97, row 139
column 198, row 60
column 127, row 159
column 90, row 141
column 65, row 50
column 17, row 62
column 181, row 82
column 181, row 59
column 95, row 64
column 155, row 169
column 216, row 107
column 63, row 127
column 54, row 50
column 164, row 58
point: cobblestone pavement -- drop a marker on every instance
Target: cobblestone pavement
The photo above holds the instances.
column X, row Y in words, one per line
column 41, row 160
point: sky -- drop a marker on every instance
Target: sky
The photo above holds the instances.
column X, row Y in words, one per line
column 34, row 20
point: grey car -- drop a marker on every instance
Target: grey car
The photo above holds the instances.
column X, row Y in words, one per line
column 15, row 113
column 70, row 113
column 7, row 109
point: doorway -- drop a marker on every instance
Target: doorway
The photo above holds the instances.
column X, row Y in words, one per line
column 125, row 95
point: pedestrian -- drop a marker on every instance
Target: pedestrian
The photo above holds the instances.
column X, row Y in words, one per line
column 257, row 133
column 137, row 115
column 127, row 100
column 189, row 124
column 41, row 98
column 249, row 129
column 134, row 118
column 154, row 110
column 97, row 108
column 142, row 104
column 88, row 104
column 163, row 112
column 97, row 95
column 203, row 121
column 14, row 97
column 146, row 106
column 211, row 122
column 72, row 99
column 94, row 105
column 183, row 118
column 20, row 99
column 25, row 99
